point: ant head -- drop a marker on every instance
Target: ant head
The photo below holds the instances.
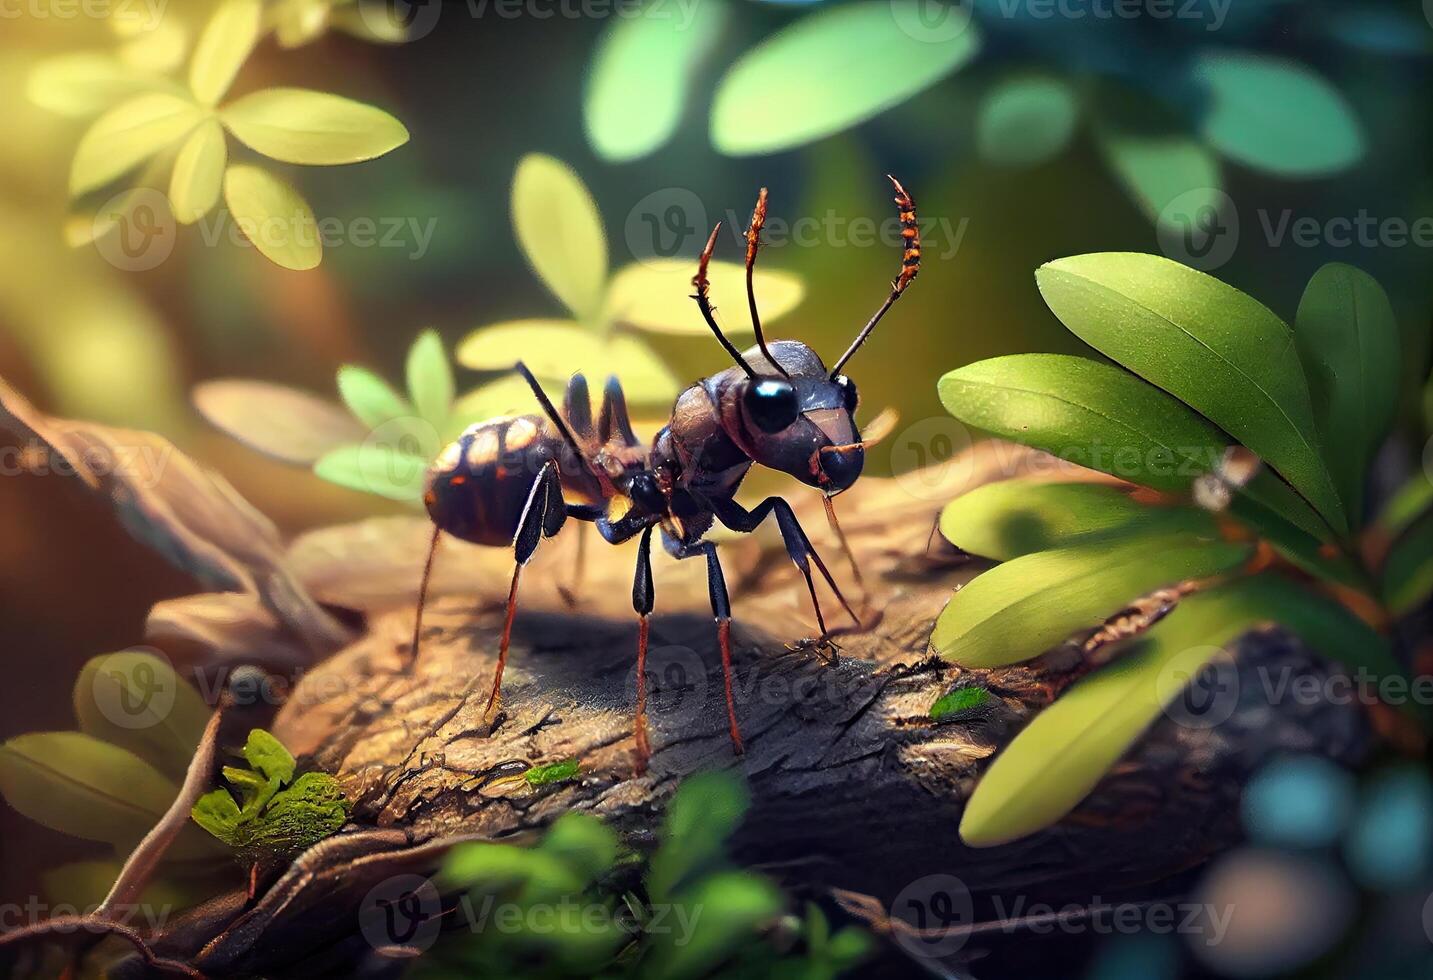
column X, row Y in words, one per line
column 797, row 418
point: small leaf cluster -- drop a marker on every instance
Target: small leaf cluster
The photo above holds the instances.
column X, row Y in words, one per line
column 560, row 232
column 688, row 912
column 1203, row 376
column 177, row 136
column 275, row 815
column 114, row 778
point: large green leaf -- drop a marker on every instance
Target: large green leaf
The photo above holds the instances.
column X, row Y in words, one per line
column 560, row 231
column 1348, row 342
column 1408, row 569
column 317, row 128
column 1026, row 606
column 641, row 73
column 81, row 786
column 1011, row 518
column 1210, row 345
column 135, row 700
column 1276, row 115
column 833, row 69
column 1063, row 753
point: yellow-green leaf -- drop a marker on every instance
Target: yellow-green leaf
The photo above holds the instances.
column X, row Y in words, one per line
column 1026, row 606
column 430, row 378
column 1213, row 347
column 505, row 396
column 81, row 786
column 1011, row 518
column 160, row 49
column 1063, row 753
column 370, row 398
column 273, row 216
column 656, row 295
column 375, row 468
column 127, row 135
column 223, row 47
column 300, row 126
column 560, row 231
column 285, row 423
column 835, row 68
column 135, row 700
column 1408, row 569
column 85, row 83
column 297, row 22
column 198, row 177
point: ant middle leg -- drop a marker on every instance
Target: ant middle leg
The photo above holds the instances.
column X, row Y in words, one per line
column 721, row 612
column 542, row 517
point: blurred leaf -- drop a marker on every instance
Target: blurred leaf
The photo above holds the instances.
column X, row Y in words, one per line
column 127, row 135
column 1208, row 344
column 656, row 295
column 734, row 906
column 198, row 173
column 1277, row 115
column 88, row 82
column 640, row 75
column 505, row 396
column 560, row 231
column 1157, row 169
column 300, row 126
column 1410, row 502
column 223, row 47
column 833, row 69
column 135, row 700
column 371, row 399
column 430, row 379
column 378, row 23
column 1062, row 754
column 375, row 469
column 705, row 811
column 290, row 425
column 582, row 841
column 298, row 22
column 83, row 787
column 1408, row 569
column 1023, row 607
column 159, row 49
column 485, row 868
column 1016, row 517
column 274, row 217
column 1349, row 344
column 1025, row 121
column 83, row 884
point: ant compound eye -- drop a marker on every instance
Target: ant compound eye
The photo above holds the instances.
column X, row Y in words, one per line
column 772, row 404
column 848, row 391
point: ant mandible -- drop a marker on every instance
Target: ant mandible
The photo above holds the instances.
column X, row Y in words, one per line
column 507, row 481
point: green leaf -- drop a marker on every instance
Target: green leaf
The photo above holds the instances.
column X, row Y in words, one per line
column 1025, row 121
column 1062, row 754
column 554, row 772
column 430, row 379
column 223, row 47
column 735, row 905
column 1276, row 115
column 1026, row 606
column 959, row 701
column 656, row 296
column 1349, row 344
column 129, row 134
column 560, row 231
column 301, row 126
column 1017, row 517
column 833, row 69
column 198, row 177
column 1408, row 569
column 641, row 74
column 705, row 811
column 583, row 842
column 1213, row 347
column 290, row 425
column 373, row 401
column 267, row 755
column 1410, row 502
column 135, row 700
column 485, row 867
column 218, row 814
column 83, row 787
column 85, row 83
column 273, row 216
column 505, row 396
column 376, row 469
column 1158, row 168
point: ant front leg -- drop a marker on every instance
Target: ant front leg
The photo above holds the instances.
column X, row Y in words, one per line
column 542, row 517
column 798, row 546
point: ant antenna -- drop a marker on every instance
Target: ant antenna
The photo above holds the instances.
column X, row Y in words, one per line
column 704, row 303
column 561, row 423
column 753, row 242
column 910, row 268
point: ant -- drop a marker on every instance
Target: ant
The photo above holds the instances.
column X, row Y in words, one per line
column 778, row 407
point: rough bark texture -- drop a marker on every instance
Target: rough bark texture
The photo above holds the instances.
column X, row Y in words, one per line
column 854, row 787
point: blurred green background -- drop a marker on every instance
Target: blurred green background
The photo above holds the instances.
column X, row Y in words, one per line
column 1055, row 129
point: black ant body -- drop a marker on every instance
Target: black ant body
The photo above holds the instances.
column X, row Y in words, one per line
column 514, row 481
